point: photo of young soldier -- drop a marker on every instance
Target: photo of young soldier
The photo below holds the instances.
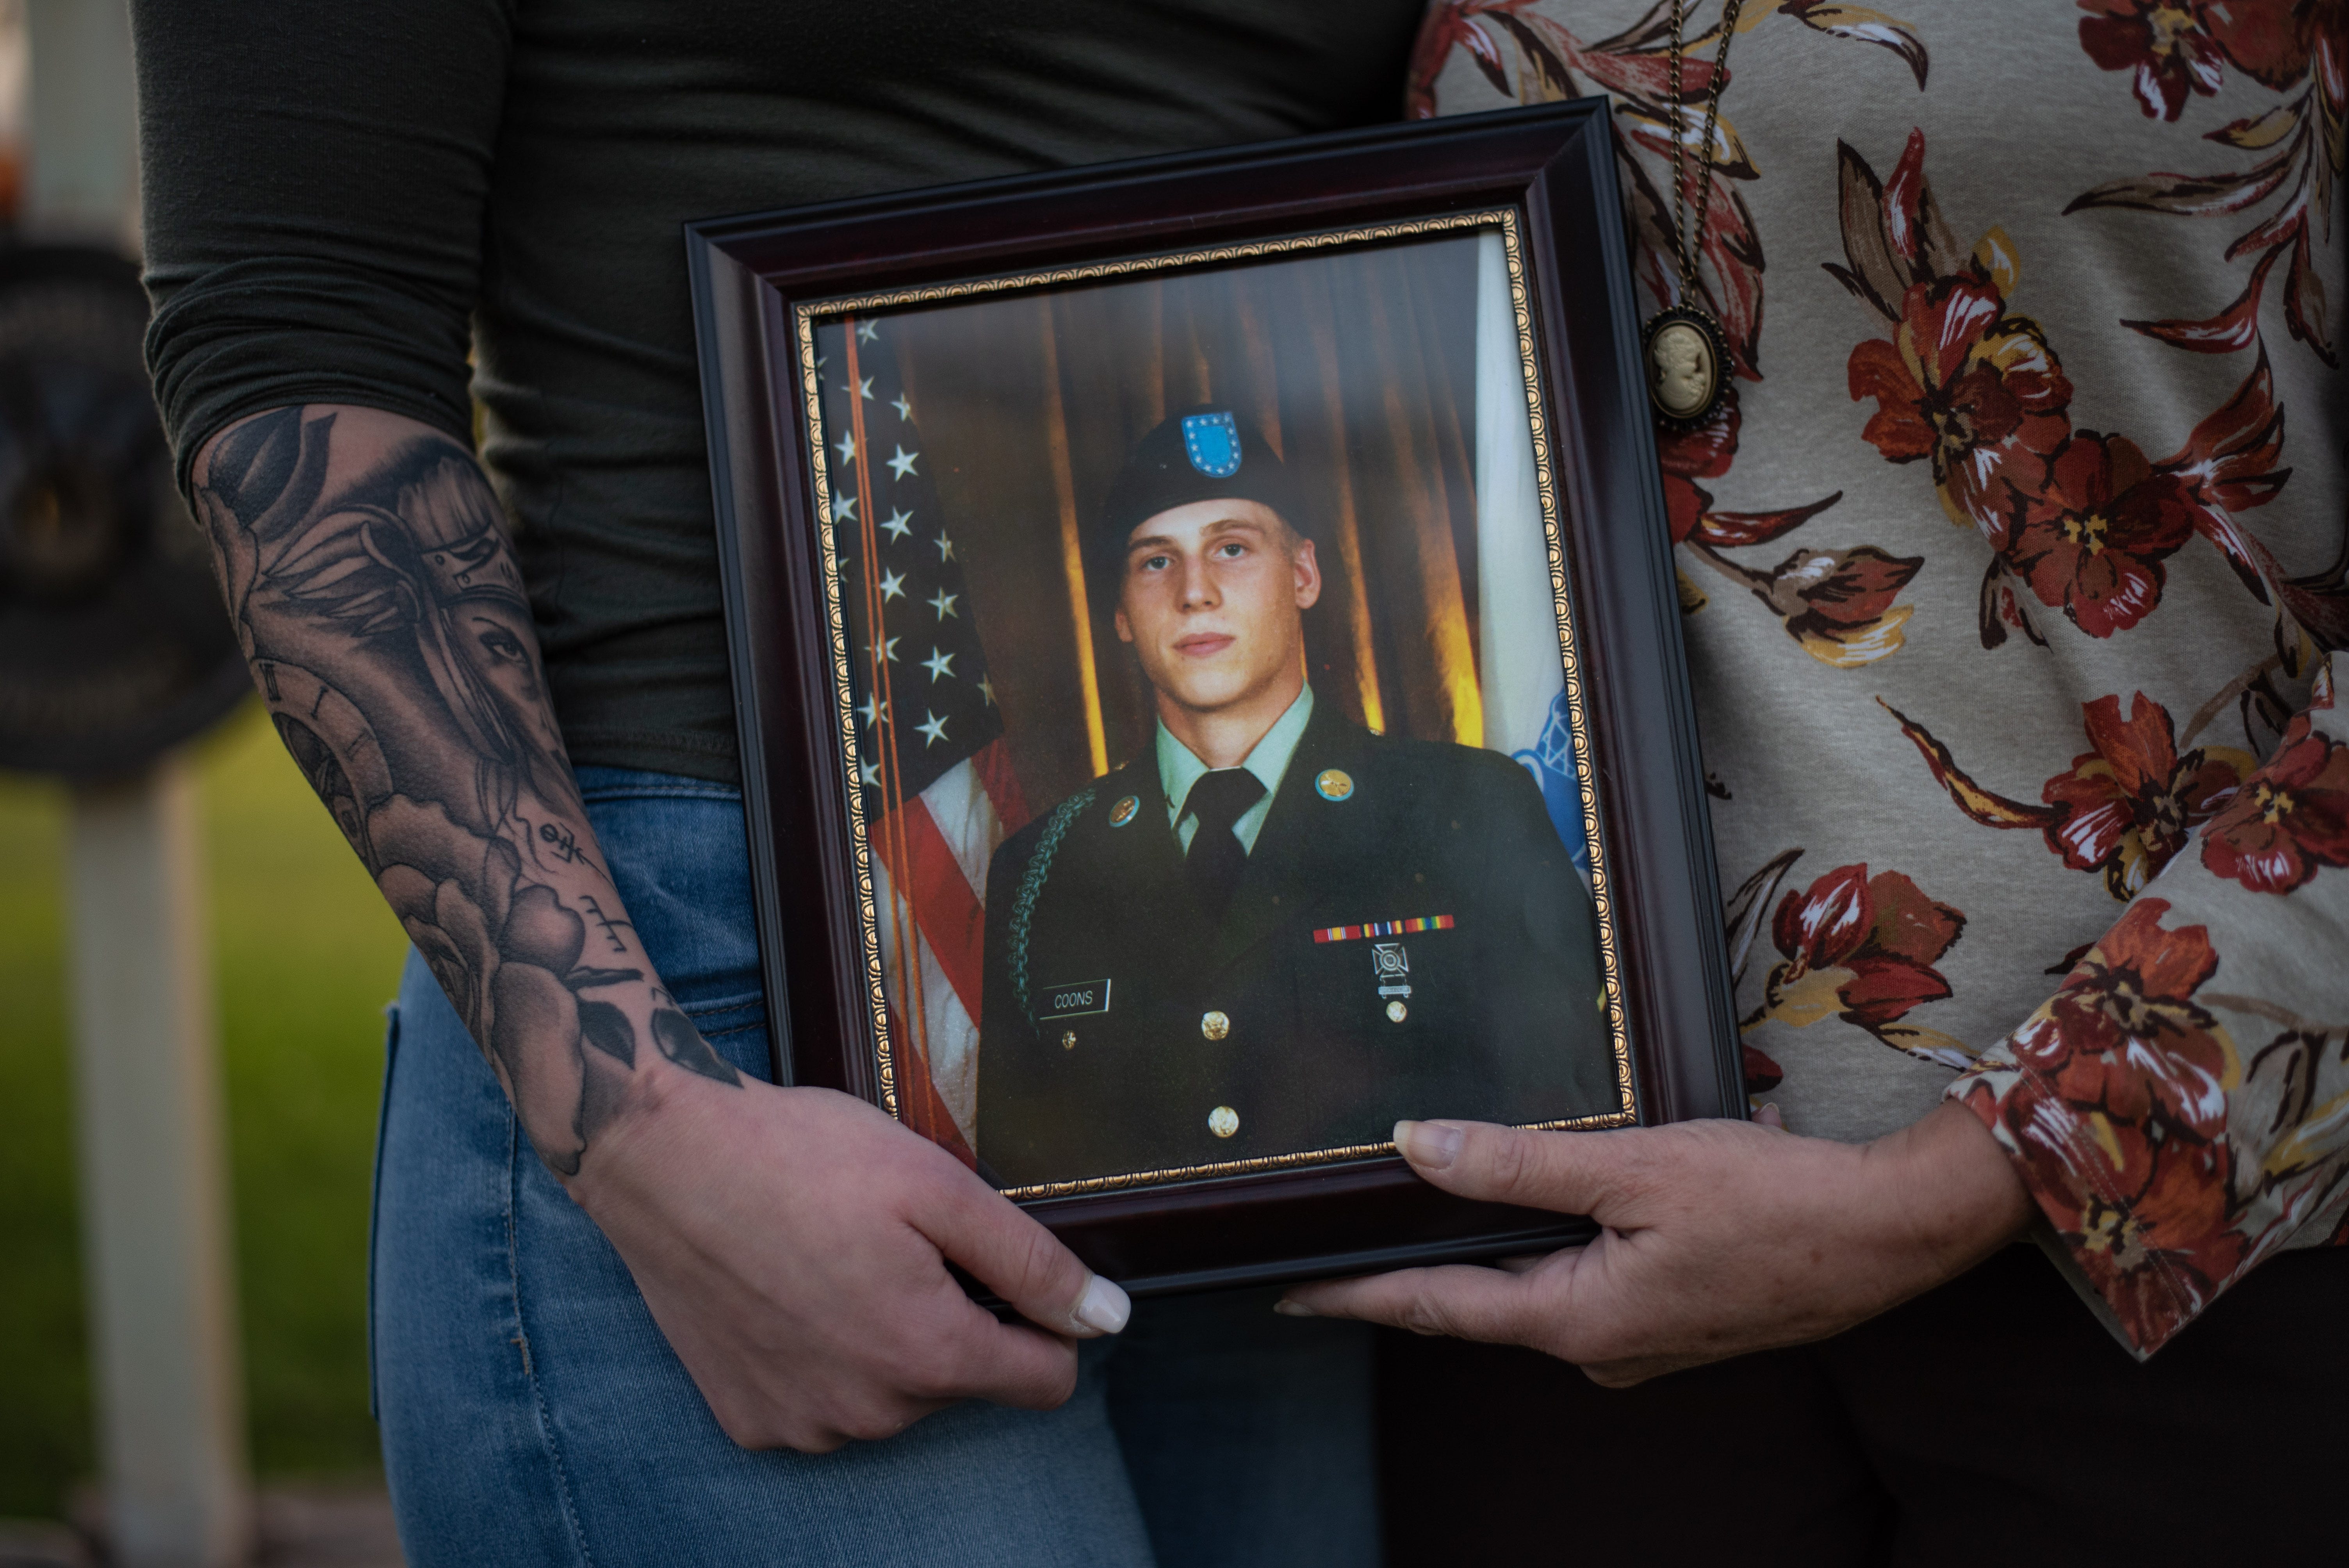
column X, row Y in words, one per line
column 1217, row 765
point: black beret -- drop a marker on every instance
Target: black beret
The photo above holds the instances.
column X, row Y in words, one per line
column 1199, row 453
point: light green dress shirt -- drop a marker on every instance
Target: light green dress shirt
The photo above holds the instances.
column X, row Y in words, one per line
column 1179, row 768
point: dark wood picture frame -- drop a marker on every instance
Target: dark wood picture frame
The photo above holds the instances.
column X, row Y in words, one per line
column 1554, row 169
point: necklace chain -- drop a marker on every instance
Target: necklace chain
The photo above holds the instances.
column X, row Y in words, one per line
column 1686, row 245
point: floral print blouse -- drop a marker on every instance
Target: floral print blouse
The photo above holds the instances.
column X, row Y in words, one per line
column 2012, row 571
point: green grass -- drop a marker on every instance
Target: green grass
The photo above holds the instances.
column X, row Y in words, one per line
column 45, row 1431
column 307, row 955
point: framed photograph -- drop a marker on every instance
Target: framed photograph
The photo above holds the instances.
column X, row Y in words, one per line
column 1211, row 684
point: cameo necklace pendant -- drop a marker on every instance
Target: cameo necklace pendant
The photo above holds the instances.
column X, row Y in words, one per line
column 1687, row 351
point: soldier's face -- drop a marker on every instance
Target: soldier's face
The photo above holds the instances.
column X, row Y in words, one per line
column 1213, row 601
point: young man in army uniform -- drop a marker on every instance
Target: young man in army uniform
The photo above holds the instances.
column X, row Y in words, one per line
column 1276, row 932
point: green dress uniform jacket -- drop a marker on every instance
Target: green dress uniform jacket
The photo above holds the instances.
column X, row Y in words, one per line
column 1122, row 1031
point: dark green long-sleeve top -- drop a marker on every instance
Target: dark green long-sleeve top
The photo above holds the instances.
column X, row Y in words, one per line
column 341, row 200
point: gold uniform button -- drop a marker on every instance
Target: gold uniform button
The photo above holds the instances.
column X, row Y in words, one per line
column 1068, row 1040
column 1223, row 1121
column 1216, row 1025
column 1334, row 784
column 1396, row 1012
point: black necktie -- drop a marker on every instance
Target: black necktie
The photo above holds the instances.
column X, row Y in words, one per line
column 1217, row 859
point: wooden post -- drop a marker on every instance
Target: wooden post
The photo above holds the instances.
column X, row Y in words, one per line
column 154, row 1198
column 155, row 1228
column 81, row 123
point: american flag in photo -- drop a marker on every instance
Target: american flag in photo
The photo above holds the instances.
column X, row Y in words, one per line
column 939, row 794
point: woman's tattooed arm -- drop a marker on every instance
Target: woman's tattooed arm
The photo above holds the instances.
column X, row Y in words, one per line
column 364, row 563
column 791, row 1242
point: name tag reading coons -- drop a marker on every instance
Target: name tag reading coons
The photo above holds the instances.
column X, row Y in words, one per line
column 1073, row 1000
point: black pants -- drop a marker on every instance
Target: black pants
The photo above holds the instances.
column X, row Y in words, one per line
column 1990, row 1421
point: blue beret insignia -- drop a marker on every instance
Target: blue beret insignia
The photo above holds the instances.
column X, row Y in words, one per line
column 1212, row 443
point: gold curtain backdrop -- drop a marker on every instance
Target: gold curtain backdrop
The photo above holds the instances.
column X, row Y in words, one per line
column 1360, row 370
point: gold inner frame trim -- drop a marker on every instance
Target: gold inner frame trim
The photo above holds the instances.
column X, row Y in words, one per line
column 807, row 315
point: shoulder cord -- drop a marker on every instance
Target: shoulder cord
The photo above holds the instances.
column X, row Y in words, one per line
column 1031, row 887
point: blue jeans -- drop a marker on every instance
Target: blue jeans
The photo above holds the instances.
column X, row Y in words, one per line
column 532, row 1414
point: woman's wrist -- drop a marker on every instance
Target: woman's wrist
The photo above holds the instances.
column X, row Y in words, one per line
column 649, row 1079
column 1946, row 1195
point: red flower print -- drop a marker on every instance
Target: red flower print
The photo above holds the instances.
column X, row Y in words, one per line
column 1960, row 381
column 2229, row 466
column 2175, row 48
column 1706, row 453
column 2147, row 1223
column 2002, row 609
column 2125, row 1034
column 2296, row 144
column 2128, row 805
column 1526, row 57
column 2292, row 817
column 2092, row 543
column 1762, row 1073
column 1688, row 456
column 1862, row 948
column 2271, row 40
column 1837, row 603
column 2119, row 1117
column 1529, row 59
column 2163, row 42
column 2123, row 808
column 1966, row 385
column 2155, row 1262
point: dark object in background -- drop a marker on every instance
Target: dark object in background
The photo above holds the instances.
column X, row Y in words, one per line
column 113, row 647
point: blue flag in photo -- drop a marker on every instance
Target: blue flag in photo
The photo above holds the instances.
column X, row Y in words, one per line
column 1556, row 767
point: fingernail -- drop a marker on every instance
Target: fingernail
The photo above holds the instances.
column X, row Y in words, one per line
column 1103, row 1308
column 1288, row 1308
column 1429, row 1143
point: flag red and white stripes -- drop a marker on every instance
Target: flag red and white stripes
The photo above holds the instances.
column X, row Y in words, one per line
column 931, row 887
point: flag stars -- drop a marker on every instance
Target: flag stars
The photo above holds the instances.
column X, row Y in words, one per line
column 846, row 446
column 944, row 604
column 899, row 522
column 945, row 548
column 905, row 409
column 889, row 650
column 865, row 389
column 865, row 331
column 986, row 690
column 939, row 664
column 933, row 731
column 869, row 775
column 843, row 507
column 893, row 586
column 902, row 463
column 874, row 710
